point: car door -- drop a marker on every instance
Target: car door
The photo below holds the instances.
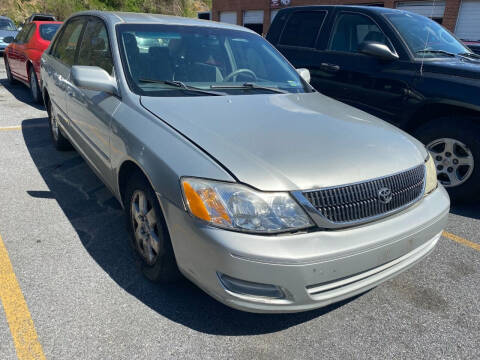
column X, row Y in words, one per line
column 59, row 65
column 91, row 111
column 22, row 53
column 364, row 81
column 13, row 54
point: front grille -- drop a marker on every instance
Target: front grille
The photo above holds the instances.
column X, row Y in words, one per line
column 359, row 202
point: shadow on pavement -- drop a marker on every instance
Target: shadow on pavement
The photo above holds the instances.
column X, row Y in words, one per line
column 466, row 210
column 99, row 222
column 21, row 92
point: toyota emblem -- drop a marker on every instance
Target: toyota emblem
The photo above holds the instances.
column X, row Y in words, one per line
column 385, row 195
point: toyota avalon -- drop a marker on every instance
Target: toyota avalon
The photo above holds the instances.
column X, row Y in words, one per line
column 232, row 169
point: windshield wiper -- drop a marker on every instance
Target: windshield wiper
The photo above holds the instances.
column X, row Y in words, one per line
column 435, row 52
column 249, row 85
column 181, row 85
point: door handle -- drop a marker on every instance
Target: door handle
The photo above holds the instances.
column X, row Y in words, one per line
column 330, row 67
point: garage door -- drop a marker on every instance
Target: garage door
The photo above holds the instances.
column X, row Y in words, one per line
column 429, row 9
column 468, row 22
column 229, row 17
column 253, row 17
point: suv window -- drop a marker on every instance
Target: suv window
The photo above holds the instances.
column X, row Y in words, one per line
column 95, row 47
column 66, row 45
column 352, row 29
column 302, row 28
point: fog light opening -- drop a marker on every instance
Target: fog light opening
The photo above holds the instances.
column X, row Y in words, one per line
column 249, row 288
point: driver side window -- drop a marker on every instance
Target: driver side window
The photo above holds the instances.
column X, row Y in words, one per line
column 353, row 29
column 19, row 39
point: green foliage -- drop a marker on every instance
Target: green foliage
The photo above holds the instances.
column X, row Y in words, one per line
column 21, row 9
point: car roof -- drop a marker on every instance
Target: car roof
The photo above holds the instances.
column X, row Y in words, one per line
column 368, row 9
column 5, row 18
column 140, row 18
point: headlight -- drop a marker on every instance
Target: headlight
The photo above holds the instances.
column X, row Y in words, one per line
column 238, row 207
column 431, row 181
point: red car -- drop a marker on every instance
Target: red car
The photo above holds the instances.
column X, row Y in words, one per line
column 22, row 56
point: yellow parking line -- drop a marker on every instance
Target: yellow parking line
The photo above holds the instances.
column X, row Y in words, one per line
column 18, row 317
column 461, row 240
column 19, row 127
column 10, row 128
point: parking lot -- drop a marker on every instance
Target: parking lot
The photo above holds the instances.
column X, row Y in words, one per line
column 77, row 292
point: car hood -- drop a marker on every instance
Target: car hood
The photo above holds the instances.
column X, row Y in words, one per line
column 290, row 141
column 5, row 33
column 458, row 66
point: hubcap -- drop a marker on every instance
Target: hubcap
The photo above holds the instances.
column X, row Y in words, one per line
column 453, row 159
column 145, row 227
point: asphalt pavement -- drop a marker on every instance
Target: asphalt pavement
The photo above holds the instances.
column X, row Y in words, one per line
column 66, row 241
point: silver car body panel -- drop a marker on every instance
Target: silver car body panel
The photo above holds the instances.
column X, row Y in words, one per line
column 277, row 142
column 291, row 141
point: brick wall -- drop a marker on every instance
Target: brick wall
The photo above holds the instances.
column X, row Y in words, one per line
column 449, row 19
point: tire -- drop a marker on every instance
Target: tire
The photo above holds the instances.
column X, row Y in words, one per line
column 60, row 142
column 34, row 87
column 11, row 79
column 157, row 261
column 459, row 172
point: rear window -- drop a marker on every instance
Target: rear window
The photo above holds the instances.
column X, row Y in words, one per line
column 302, row 28
column 47, row 31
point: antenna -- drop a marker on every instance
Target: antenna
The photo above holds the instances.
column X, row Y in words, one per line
column 426, row 42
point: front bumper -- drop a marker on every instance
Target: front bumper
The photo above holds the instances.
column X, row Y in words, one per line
column 313, row 269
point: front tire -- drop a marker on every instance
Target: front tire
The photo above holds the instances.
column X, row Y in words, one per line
column 148, row 232
column 11, row 79
column 60, row 142
column 34, row 87
column 454, row 144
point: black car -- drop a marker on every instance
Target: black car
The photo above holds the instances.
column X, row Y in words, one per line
column 40, row 17
column 399, row 66
column 474, row 46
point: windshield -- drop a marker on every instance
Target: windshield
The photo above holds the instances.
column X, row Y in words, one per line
column 7, row 25
column 425, row 37
column 48, row 30
column 222, row 60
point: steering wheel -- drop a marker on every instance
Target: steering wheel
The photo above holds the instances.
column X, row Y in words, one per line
column 234, row 74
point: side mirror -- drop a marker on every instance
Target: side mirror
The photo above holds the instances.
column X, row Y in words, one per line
column 93, row 78
column 8, row 39
column 305, row 74
column 378, row 50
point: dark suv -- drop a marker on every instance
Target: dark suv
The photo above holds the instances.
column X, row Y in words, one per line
column 399, row 66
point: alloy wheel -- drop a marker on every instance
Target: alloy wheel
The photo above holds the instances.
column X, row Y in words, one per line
column 145, row 227
column 453, row 160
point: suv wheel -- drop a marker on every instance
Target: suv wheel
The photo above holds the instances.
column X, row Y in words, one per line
column 59, row 141
column 34, row 88
column 455, row 147
column 10, row 77
column 148, row 232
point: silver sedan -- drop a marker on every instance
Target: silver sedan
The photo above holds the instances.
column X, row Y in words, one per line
column 232, row 170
